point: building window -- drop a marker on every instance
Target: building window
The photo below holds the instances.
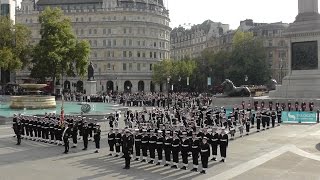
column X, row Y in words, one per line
column 144, row 55
column 95, row 31
column 114, row 42
column 124, row 66
column 109, row 31
column 109, row 43
column 138, row 43
column 130, row 42
column 151, row 67
column 155, row 55
column 270, row 43
column 124, row 31
column 138, row 54
column 90, row 31
column 130, row 54
column 109, row 66
column 104, row 31
column 95, row 43
column 104, row 43
column 139, row 67
column 124, row 42
column 130, row 66
column 124, row 54
column 150, row 54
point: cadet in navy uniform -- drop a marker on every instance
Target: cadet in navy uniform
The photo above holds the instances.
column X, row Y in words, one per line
column 127, row 141
column 111, row 141
column 160, row 143
column 137, row 144
column 185, row 148
column 118, row 142
column 205, row 154
column 247, row 126
column 214, row 145
column 223, row 138
column 195, row 149
column 97, row 137
column 65, row 135
column 85, row 134
column 144, row 145
column 258, row 120
column 18, row 131
column 152, row 146
column 273, row 118
column 167, row 148
column 75, row 134
column 175, row 150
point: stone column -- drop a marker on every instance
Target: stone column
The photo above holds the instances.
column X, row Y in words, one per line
column 308, row 6
column 147, row 86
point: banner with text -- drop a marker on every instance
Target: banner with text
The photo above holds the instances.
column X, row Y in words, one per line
column 299, row 117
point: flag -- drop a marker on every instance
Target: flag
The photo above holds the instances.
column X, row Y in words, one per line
column 62, row 116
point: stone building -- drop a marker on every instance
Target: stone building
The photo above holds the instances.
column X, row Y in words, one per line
column 189, row 43
column 127, row 38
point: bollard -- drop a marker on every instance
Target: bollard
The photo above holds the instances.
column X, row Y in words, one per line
column 318, row 119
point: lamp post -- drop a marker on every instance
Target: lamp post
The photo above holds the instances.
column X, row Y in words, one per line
column 168, row 84
column 179, row 84
column 281, row 67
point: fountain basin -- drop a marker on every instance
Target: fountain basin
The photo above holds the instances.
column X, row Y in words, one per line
column 33, row 102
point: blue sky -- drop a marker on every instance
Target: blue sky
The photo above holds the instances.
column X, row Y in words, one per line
column 230, row 11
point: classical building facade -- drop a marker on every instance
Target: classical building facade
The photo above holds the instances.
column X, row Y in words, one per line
column 273, row 40
column 189, row 43
column 127, row 38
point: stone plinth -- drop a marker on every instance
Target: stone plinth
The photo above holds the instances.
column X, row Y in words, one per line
column 230, row 102
column 91, row 88
column 33, row 102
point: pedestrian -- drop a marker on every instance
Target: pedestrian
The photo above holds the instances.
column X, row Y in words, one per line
column 97, row 137
column 85, row 135
column 65, row 135
column 128, row 148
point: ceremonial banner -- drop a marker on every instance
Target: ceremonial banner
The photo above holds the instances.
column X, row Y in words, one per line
column 299, row 117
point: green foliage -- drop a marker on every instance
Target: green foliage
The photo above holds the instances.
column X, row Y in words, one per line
column 58, row 52
column 14, row 45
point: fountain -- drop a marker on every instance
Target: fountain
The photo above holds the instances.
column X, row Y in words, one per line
column 33, row 100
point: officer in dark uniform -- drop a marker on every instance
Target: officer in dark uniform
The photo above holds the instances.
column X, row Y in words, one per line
column 90, row 129
column 118, row 142
column 85, row 134
column 18, row 131
column 175, row 150
column 144, row 145
column 205, row 154
column 273, row 118
column 127, row 141
column 152, row 146
column 247, row 123
column 65, row 135
column 111, row 141
column 168, row 148
column 160, row 146
column 195, row 149
column 185, row 148
column 97, row 137
column 258, row 120
column 52, row 132
column 223, row 139
column 75, row 134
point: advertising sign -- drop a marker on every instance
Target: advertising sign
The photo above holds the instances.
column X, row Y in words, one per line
column 299, row 117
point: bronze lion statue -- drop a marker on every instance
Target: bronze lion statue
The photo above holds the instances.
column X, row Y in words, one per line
column 230, row 90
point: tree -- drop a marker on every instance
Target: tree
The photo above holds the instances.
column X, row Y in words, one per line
column 58, row 52
column 15, row 48
column 248, row 58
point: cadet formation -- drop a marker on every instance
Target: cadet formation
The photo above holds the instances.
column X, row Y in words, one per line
column 161, row 136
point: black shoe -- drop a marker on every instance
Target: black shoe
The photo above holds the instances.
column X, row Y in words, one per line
column 110, row 154
column 125, row 168
column 122, row 156
column 194, row 170
column 143, row 160
column 158, row 164
column 96, row 151
column 84, row 149
column 213, row 159
column 222, row 160
column 203, row 172
column 18, row 144
column 73, row 146
column 183, row 168
column 174, row 167
column 166, row 165
column 116, row 155
column 151, row 162
column 65, row 152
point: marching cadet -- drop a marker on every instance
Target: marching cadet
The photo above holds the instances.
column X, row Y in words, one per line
column 223, row 139
column 195, row 145
column 160, row 146
column 65, row 136
column 90, row 129
column 144, row 145
column 118, row 142
column 85, row 135
column 205, row 154
column 247, row 126
column 167, row 148
column 214, row 145
column 258, row 120
column 268, row 118
column 75, row 134
column 279, row 114
column 97, row 137
column 185, row 148
column 263, row 118
column 137, row 143
column 273, row 118
column 111, row 141
column 18, row 131
column 175, row 150
column 152, row 146
column 128, row 148
column 52, row 131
